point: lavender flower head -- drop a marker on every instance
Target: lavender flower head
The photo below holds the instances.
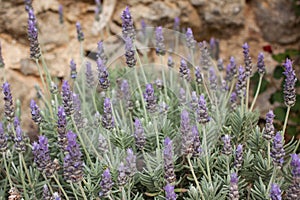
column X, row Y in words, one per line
column 35, row 112
column 289, row 85
column 186, row 134
column 103, row 145
column 277, row 151
column 107, row 117
column 125, row 90
column 150, row 98
column 170, row 62
column 97, row 13
column 190, row 41
column 202, row 113
column 101, row 53
column 61, row 127
column 170, row 193
column 205, row 59
column 163, row 108
column 79, row 121
column 194, row 101
column 184, row 71
column 170, row 176
column 46, row 193
column 269, row 130
column 143, row 28
column 28, row 5
column 8, row 102
column 261, row 68
column 20, row 145
column 61, row 14
column 212, row 79
column 106, row 184
column 295, row 164
column 220, row 64
column 129, row 52
column 275, row 192
column 80, row 35
column 56, row 196
column 139, row 135
column 198, row 75
column 122, row 177
column 35, row 52
column 3, row 139
column 73, row 165
column 127, row 24
column 196, row 142
column 130, row 163
column 247, row 60
column 176, row 24
column 1, row 58
column 241, row 82
column 102, row 75
column 227, row 148
column 238, row 157
column 67, row 98
column 214, row 48
column 73, row 69
column 89, row 75
column 233, row 190
column 182, row 96
column 231, row 70
column 160, row 46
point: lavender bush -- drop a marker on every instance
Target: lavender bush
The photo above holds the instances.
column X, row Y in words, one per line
column 183, row 130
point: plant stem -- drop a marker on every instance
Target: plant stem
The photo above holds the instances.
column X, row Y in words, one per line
column 141, row 94
column 60, row 187
column 206, row 155
column 82, row 191
column 269, row 156
column 22, row 177
column 247, row 94
column 7, row 170
column 271, row 180
column 257, row 92
column 27, row 173
column 141, row 66
column 286, row 119
column 49, row 186
column 74, row 191
column 163, row 77
column 195, row 177
column 202, row 169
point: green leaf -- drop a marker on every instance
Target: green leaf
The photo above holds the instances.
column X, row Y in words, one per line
column 280, row 113
column 278, row 72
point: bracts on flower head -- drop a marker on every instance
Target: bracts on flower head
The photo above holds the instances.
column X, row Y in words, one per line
column 220, row 64
column 28, row 5
column 289, row 84
column 73, row 69
column 67, row 98
column 227, row 148
column 102, row 75
column 3, row 139
column 196, row 142
column 129, row 52
column 89, row 75
column 101, row 53
column 238, row 157
column 205, row 59
column 8, row 102
column 269, row 130
column 261, row 68
column 186, row 134
column 170, row 176
column 233, row 101
column 20, row 145
column 241, row 83
column 176, row 24
column 247, row 60
column 139, row 135
column 46, row 193
column 198, row 75
column 170, row 193
column 189, row 37
column 127, row 24
column 73, row 165
column 275, row 192
column 35, row 52
column 35, row 112
column 182, row 96
column 184, row 70
column 130, row 164
column 277, row 151
column 213, row 79
column 295, row 164
column 194, row 101
column 293, row 192
column 170, row 62
column 160, row 46
column 150, row 98
column 1, row 58
column 122, row 176
column 61, row 128
column 80, row 35
column 16, row 122
column 106, row 184
column 231, row 70
column 202, row 112
column 234, row 190
column 79, row 121
column 107, row 117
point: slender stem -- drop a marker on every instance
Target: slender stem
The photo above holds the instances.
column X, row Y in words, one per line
column 257, row 92
column 141, row 94
column 60, row 187
column 27, row 173
column 156, row 132
column 271, row 180
column 269, row 155
column 195, row 177
column 74, row 191
column 7, row 170
column 82, row 191
column 22, row 177
column 141, row 66
column 49, row 186
column 206, row 89
column 163, row 77
column 286, row 119
column 94, row 100
column 123, row 193
column 202, row 169
column 247, row 94
column 206, row 155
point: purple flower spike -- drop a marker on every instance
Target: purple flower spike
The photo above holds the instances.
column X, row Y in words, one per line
column 143, row 27
column 8, row 102
column 3, row 139
column 16, row 122
column 194, row 101
column 122, row 177
column 220, row 64
column 107, row 117
column 234, row 190
column 261, row 68
column 269, row 130
column 170, row 176
column 196, row 142
column 73, row 69
column 46, row 193
column 212, row 79
column 139, row 135
column 186, row 134
column 73, row 165
column 198, row 75
column 61, row 14
column 227, row 148
column 89, row 75
column 238, row 158
column 205, row 59
column 202, row 113
column 106, row 184
column 67, row 98
column 184, row 71
column 170, row 193
column 20, row 145
column 127, row 24
column 176, row 24
column 275, row 192
column 77, row 114
column 129, row 53
column 35, row 52
column 241, row 83
column 182, row 96
column 277, row 151
column 231, row 70
column 293, row 192
column 103, row 145
column 170, row 62
column 130, row 163
column 28, row 5
column 289, row 85
column 80, row 35
column 1, row 58
column 101, row 53
column 150, row 98
column 295, row 164
column 233, row 101
column 160, row 46
column 247, row 60
column 61, row 128
column 35, row 112
column 190, row 41
column 102, row 75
